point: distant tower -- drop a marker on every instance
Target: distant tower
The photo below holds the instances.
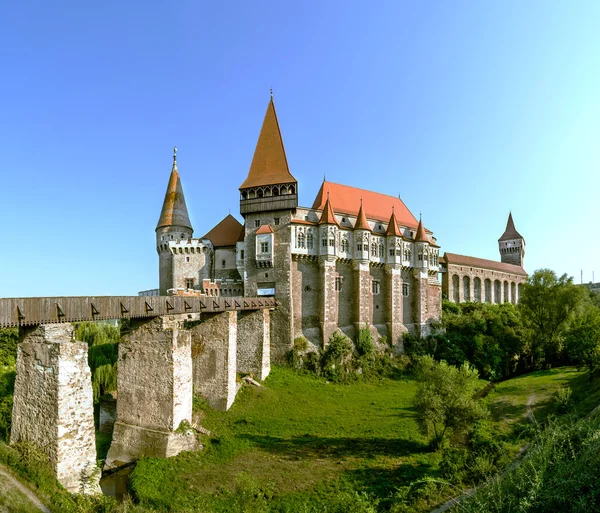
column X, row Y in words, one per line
column 173, row 226
column 511, row 244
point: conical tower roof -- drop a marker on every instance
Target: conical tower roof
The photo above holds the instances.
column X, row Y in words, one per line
column 421, row 235
column 392, row 229
column 328, row 217
column 269, row 164
column 174, row 211
column 361, row 220
column 510, row 232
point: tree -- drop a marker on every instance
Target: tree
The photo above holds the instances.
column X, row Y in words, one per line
column 582, row 339
column 445, row 398
column 548, row 304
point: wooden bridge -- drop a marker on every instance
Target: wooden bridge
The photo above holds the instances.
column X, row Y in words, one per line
column 31, row 311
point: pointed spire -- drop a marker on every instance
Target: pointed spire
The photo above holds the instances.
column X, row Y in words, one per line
column 328, row 217
column 269, row 164
column 421, row 235
column 174, row 211
column 510, row 232
column 392, row 229
column 361, row 219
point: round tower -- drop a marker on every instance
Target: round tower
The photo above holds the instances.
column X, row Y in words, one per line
column 173, row 226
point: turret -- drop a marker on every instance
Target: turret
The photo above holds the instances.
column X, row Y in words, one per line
column 394, row 241
column 269, row 185
column 511, row 244
column 362, row 236
column 328, row 230
column 421, row 247
column 173, row 226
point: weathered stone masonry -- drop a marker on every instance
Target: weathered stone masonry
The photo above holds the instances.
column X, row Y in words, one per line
column 53, row 404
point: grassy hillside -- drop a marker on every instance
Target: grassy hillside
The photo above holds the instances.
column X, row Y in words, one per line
column 300, row 440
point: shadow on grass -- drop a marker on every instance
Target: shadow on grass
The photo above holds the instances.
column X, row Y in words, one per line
column 383, row 482
column 503, row 409
column 314, row 447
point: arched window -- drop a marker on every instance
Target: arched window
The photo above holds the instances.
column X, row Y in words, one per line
column 487, row 289
column 374, row 249
column 310, row 241
column 455, row 288
column 381, row 251
column 300, row 240
column 345, row 245
column 477, row 289
column 467, row 288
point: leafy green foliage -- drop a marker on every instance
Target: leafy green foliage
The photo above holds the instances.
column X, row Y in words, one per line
column 103, row 341
column 445, row 398
column 336, row 361
column 548, row 304
column 559, row 474
column 364, row 343
column 7, row 386
column 8, row 346
column 582, row 339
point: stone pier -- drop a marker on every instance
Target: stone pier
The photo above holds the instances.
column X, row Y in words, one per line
column 214, row 350
column 253, row 343
column 53, row 404
column 154, row 392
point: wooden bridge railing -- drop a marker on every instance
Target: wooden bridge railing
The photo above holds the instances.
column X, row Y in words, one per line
column 44, row 310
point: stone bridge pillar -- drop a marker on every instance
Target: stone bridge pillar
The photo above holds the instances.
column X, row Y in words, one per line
column 214, row 353
column 154, row 387
column 53, row 404
column 253, row 343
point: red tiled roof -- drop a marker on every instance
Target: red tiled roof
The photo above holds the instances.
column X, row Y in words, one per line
column 361, row 220
column 344, row 200
column 269, row 164
column 174, row 211
column 328, row 217
column 392, row 229
column 264, row 228
column 242, row 234
column 226, row 233
column 303, row 221
column 421, row 236
column 452, row 258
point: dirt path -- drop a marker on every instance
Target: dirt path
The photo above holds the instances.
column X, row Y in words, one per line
column 24, row 490
column 530, row 401
column 466, row 493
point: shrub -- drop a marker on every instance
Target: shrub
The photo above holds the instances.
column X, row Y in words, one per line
column 562, row 399
column 8, row 346
column 337, row 357
column 364, row 343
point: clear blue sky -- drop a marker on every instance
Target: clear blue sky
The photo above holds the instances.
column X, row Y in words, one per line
column 465, row 109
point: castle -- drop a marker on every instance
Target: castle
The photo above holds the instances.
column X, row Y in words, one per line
column 355, row 259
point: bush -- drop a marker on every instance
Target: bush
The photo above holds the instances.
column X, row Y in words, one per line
column 364, row 343
column 336, row 360
column 562, row 400
column 9, row 338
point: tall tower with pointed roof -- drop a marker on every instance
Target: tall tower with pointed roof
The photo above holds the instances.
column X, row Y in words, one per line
column 511, row 244
column 268, row 200
column 269, row 185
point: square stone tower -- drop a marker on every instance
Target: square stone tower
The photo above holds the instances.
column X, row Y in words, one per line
column 268, row 199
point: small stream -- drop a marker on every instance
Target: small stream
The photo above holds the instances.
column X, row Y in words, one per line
column 114, row 484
